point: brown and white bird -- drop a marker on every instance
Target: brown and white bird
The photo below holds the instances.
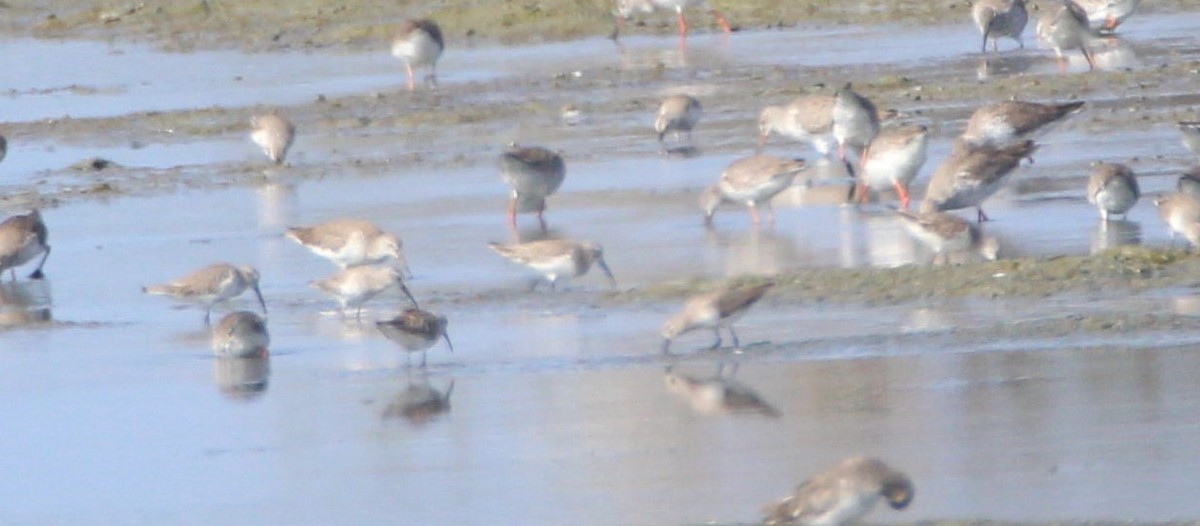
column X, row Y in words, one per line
column 626, row 9
column 1190, row 133
column 947, row 235
column 556, row 258
column 855, row 121
column 350, row 242
column 713, row 310
column 1065, row 26
column 241, row 334
column 419, row 43
column 1113, row 188
column 1181, row 212
column 274, row 134
column 808, row 119
column 998, row 19
column 678, row 113
column 753, row 181
column 843, row 494
column 416, row 330
column 1008, row 122
column 23, row 238
column 971, row 175
column 354, row 286
column 211, row 285
column 1108, row 14
column 533, row 173
column 892, row 161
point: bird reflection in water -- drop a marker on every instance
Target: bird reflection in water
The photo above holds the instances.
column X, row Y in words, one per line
column 420, row 402
column 242, row 379
column 718, row 394
column 1115, row 233
column 24, row 303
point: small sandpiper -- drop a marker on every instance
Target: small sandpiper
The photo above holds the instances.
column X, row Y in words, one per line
column 274, row 134
column 971, row 175
column 533, row 173
column 843, row 494
column 1181, row 212
column 997, row 19
column 555, row 258
column 753, row 181
column 678, row 114
column 211, row 285
column 416, row 330
column 419, row 44
column 350, row 242
column 1065, row 26
column 892, row 161
column 1113, row 188
column 1008, row 122
column 626, row 8
column 947, row 235
column 808, row 119
column 354, row 286
column 715, row 309
column 23, row 238
column 241, row 334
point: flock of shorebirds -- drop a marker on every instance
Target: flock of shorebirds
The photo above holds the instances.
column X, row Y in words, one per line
column 844, row 124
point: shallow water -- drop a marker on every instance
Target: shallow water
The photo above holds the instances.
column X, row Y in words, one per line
column 559, row 410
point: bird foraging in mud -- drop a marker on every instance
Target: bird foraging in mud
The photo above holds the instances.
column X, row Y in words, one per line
column 274, row 134
column 555, row 258
column 419, row 43
column 753, row 181
column 998, row 19
column 211, row 285
column 1113, row 188
column 971, row 175
column 843, row 494
column 716, row 309
column 354, row 286
column 533, row 173
column 678, row 114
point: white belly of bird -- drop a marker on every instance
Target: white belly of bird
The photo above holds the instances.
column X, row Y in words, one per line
column 897, row 165
column 244, row 346
column 852, row 506
column 1116, row 200
column 418, row 51
column 555, row 267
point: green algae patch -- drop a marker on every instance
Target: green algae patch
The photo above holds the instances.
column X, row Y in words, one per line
column 1130, row 268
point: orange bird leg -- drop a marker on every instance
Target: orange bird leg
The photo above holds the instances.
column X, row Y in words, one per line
column 683, row 25
column 903, row 193
column 411, row 85
column 722, row 21
column 754, row 212
column 512, row 212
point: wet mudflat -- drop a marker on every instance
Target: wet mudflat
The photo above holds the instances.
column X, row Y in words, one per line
column 558, row 407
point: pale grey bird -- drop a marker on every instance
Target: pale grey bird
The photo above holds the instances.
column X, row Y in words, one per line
column 274, row 134
column 1113, row 188
column 211, row 285
column 241, row 334
column 843, row 494
column 419, row 43
column 998, row 19
column 713, row 310
column 416, row 330
column 23, row 238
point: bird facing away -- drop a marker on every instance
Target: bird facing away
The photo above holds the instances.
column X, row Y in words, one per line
column 945, row 235
column 998, row 19
column 416, row 330
column 751, row 180
column 419, row 44
column 843, row 494
column 971, row 175
column 1108, row 14
column 350, row 242
column 1007, row 122
column 533, row 173
column 715, row 309
column 626, row 8
column 354, row 286
column 855, row 121
column 274, row 134
column 211, row 285
column 1065, row 26
column 808, row 119
column 892, row 161
column 1113, row 188
column 678, row 113
column 555, row 258
column 22, row 238
column 1181, row 212
column 241, row 334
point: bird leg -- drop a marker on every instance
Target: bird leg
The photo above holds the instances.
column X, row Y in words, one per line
column 722, row 21
column 903, row 193
column 980, row 216
column 770, row 213
column 512, row 212
column 37, row 273
column 683, row 25
column 208, row 315
column 861, row 192
column 408, row 67
column 424, row 357
column 736, row 343
column 754, row 212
